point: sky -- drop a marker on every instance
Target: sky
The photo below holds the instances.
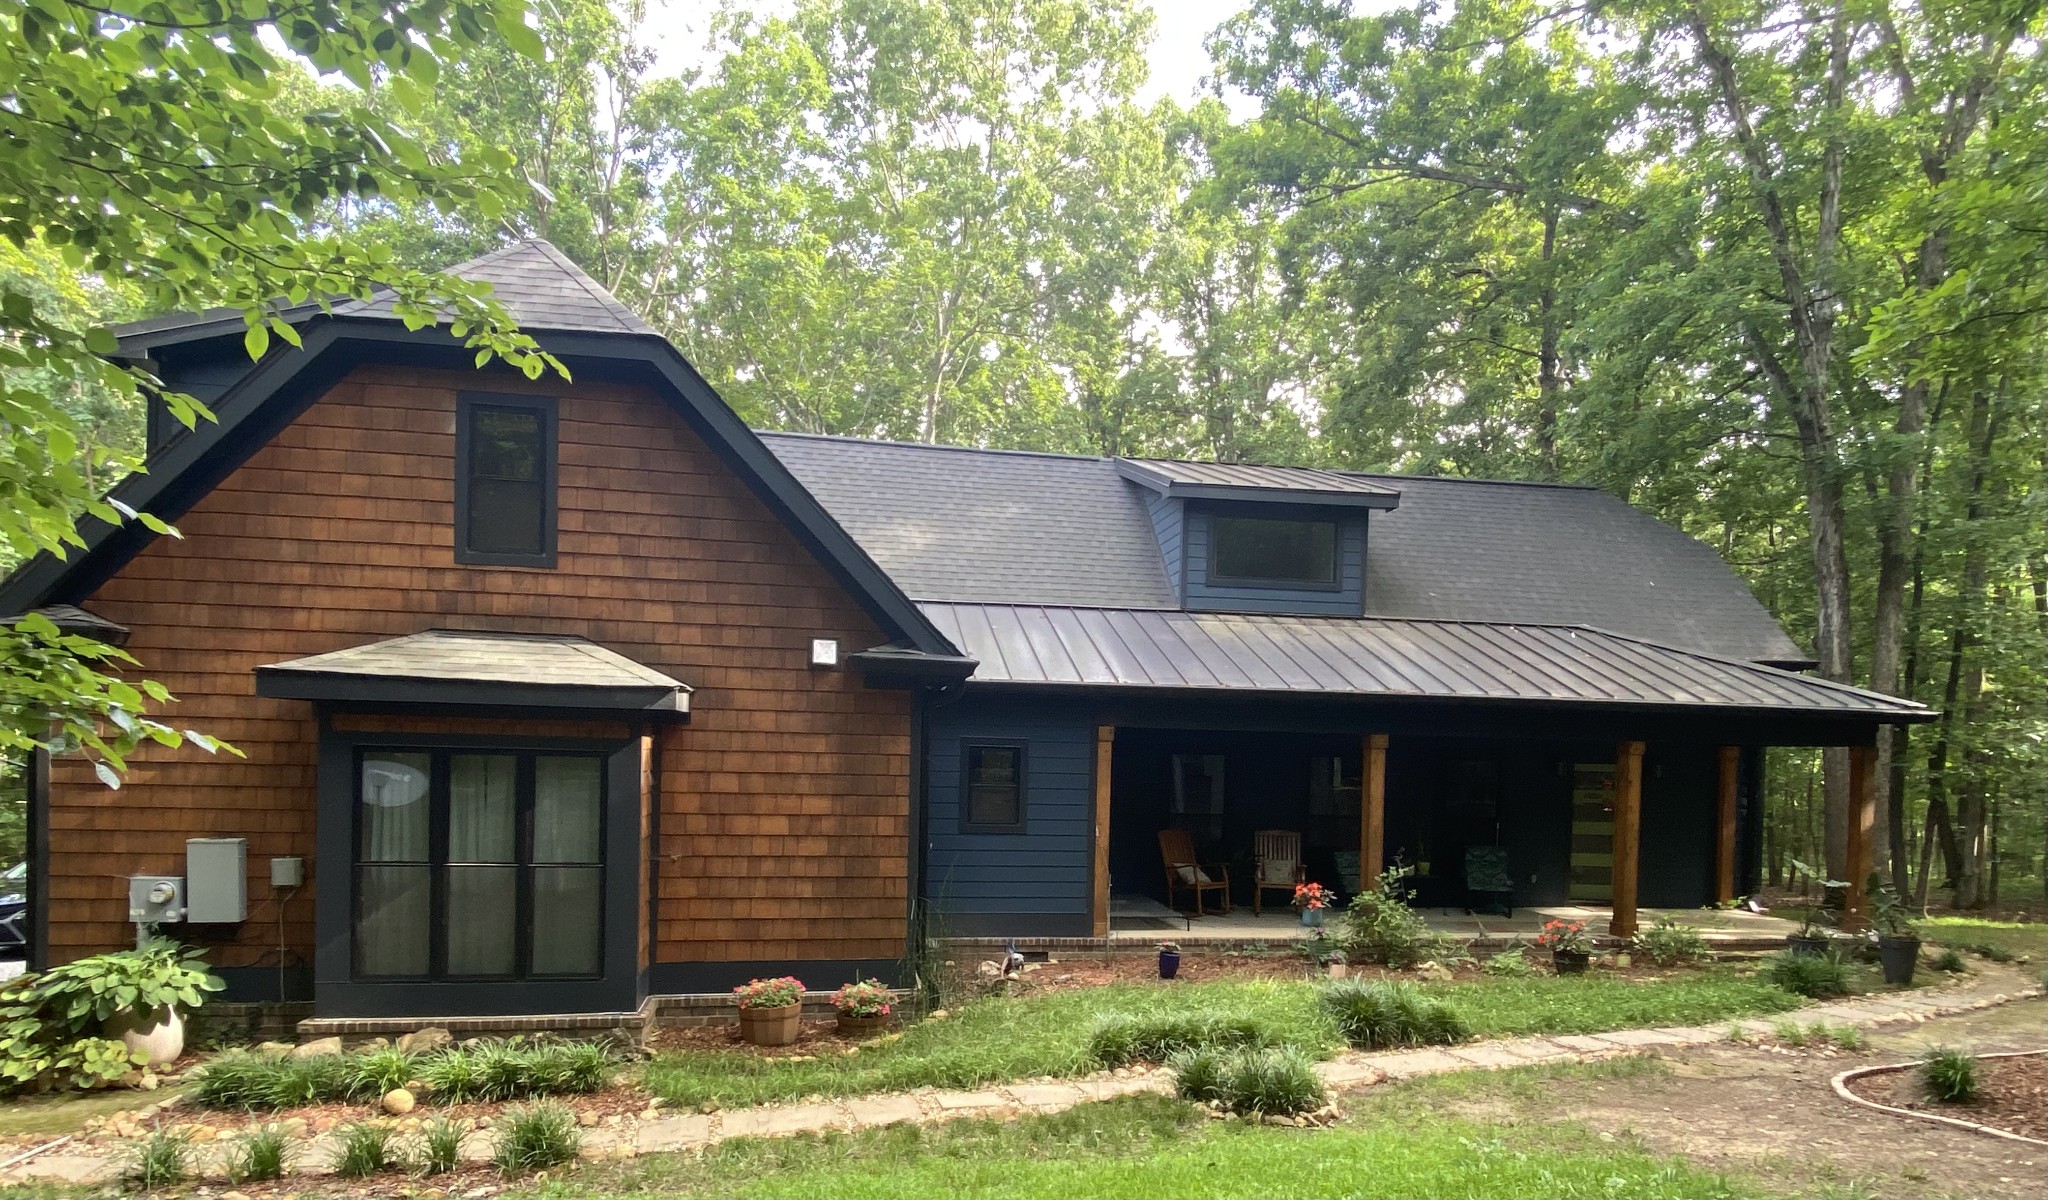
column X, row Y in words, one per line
column 675, row 29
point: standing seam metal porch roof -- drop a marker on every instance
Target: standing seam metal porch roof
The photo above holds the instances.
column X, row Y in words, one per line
column 1375, row 656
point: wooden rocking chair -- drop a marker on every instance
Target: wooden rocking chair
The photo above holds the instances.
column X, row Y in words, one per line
column 1276, row 854
column 1184, row 874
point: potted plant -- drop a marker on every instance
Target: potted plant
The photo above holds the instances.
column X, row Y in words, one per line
column 1570, row 948
column 1169, row 960
column 1311, row 899
column 139, row 997
column 1898, row 944
column 863, row 1007
column 771, row 1010
column 1811, row 938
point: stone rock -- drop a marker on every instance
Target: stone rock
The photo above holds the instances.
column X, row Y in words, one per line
column 146, row 1112
column 149, row 1082
column 938, row 1014
column 234, row 1196
column 177, row 1100
column 202, row 1134
column 295, row 1127
column 421, row 1040
column 274, row 1049
column 989, row 970
column 398, row 1102
column 317, row 1049
column 586, row 1118
column 654, row 1102
column 375, row 1043
column 1434, row 972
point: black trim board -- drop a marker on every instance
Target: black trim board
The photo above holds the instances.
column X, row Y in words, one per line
column 288, row 380
column 818, row 974
column 278, row 683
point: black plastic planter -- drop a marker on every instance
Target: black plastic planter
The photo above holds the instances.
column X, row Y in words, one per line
column 1899, row 956
column 1807, row 947
column 1570, row 962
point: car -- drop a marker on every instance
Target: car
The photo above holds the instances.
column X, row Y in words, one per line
column 14, row 912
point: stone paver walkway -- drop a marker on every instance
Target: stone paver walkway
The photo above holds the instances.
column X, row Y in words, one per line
column 1348, row 1071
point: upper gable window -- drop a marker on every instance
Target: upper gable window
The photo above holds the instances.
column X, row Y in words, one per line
column 505, row 480
column 1267, row 553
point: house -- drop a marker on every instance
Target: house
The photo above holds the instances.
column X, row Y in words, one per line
column 555, row 695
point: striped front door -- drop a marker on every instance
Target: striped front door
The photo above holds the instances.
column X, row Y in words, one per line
column 1592, row 871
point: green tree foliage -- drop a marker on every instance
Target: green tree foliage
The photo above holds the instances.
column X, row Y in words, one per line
column 147, row 163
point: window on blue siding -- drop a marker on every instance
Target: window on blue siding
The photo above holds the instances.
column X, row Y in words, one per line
column 1267, row 553
column 992, row 791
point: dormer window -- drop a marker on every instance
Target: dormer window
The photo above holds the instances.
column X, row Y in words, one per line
column 1261, row 552
column 505, row 480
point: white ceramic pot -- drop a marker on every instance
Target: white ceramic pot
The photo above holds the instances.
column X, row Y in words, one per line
column 160, row 1035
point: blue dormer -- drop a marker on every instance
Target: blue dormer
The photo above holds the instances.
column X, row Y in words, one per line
column 1242, row 538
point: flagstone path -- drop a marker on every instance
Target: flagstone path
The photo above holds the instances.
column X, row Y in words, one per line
column 1992, row 985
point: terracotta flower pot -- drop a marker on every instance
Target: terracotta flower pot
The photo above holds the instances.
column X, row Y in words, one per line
column 160, row 1035
column 1570, row 962
column 771, row 1026
column 861, row 1027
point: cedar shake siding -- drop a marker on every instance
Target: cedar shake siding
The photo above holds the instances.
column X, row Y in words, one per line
column 782, row 803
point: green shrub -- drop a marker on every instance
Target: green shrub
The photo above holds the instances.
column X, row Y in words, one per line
column 568, row 1068
column 1950, row 1076
column 1376, row 1014
column 454, row 1076
column 1815, row 976
column 369, row 1075
column 1510, row 963
column 318, row 1080
column 364, row 1148
column 50, row 1023
column 1668, row 943
column 440, row 1146
column 532, row 1138
column 1379, row 927
column 161, row 1160
column 264, row 1153
column 1121, row 1040
column 1950, row 960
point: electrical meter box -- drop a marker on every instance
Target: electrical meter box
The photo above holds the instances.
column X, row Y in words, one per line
column 216, row 880
column 156, row 899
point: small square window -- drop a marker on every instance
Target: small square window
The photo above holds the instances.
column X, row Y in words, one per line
column 992, row 787
column 505, row 481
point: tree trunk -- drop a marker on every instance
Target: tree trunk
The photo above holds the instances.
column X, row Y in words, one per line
column 1967, row 684
column 1548, row 377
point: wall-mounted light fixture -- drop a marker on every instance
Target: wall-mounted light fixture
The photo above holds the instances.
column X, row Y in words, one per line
column 824, row 652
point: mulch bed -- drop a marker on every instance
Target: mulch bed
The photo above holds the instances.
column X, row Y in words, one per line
column 623, row 1102
column 2012, row 1094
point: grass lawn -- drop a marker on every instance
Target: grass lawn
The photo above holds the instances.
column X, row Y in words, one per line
column 1970, row 933
column 998, row 1039
column 1152, row 1146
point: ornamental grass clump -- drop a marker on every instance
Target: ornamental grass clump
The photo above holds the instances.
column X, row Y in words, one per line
column 1950, row 1076
column 457, row 1075
column 263, row 1153
column 1279, row 1080
column 1156, row 1037
column 1377, row 1014
column 1815, row 976
column 440, row 1146
column 369, row 1075
column 365, row 1148
column 161, row 1160
column 534, row 1138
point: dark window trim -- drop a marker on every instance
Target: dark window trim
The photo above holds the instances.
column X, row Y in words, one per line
column 437, row 864
column 546, row 406
column 967, row 747
column 1216, row 578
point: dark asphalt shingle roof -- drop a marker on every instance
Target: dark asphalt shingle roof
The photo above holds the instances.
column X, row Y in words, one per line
column 1374, row 656
column 479, row 656
column 998, row 527
column 537, row 284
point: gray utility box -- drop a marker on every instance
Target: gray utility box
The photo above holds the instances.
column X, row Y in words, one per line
column 216, row 880
column 156, row 899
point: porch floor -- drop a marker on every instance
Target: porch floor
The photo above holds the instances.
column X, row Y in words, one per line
column 1140, row 919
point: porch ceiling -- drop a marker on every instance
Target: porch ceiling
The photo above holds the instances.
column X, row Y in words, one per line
column 1378, row 656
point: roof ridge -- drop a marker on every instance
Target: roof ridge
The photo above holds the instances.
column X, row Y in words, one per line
column 588, row 282
column 898, row 443
column 1534, row 483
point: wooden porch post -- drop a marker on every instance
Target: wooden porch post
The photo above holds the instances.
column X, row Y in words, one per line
column 1724, row 826
column 1372, row 811
column 1105, row 743
column 1628, row 811
column 1862, row 816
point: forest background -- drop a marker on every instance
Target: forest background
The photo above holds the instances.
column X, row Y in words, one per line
column 1772, row 271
